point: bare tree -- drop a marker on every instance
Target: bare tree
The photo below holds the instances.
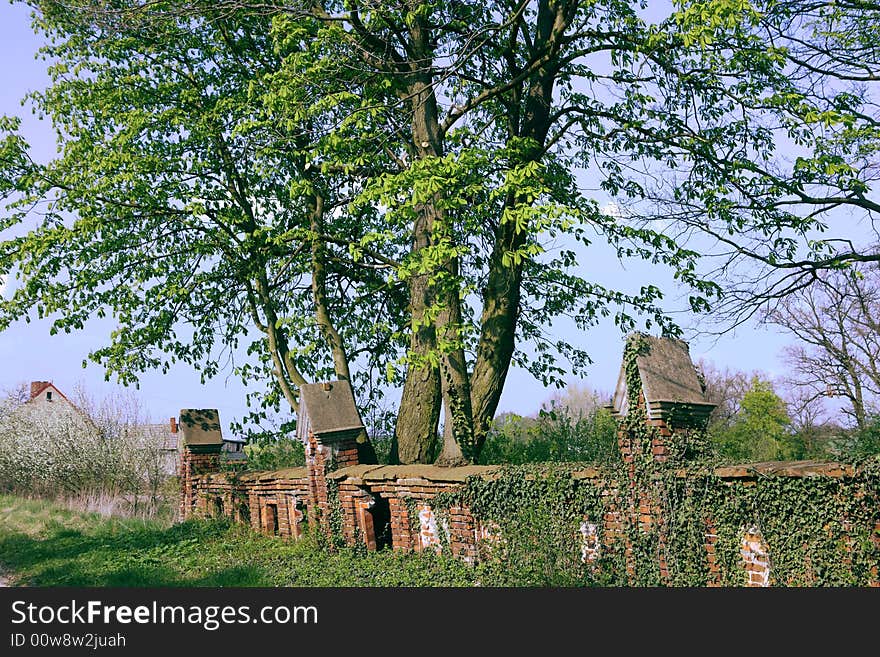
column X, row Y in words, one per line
column 837, row 323
column 576, row 400
column 726, row 389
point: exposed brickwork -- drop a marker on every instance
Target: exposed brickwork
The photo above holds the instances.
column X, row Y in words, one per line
column 193, row 464
column 429, row 530
column 391, row 506
column 591, row 546
column 756, row 558
column 711, row 554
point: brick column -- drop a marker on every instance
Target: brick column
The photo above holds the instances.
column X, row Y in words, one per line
column 320, row 459
column 195, row 460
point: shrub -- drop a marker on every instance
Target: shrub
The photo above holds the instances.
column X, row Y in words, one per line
column 556, row 435
column 89, row 451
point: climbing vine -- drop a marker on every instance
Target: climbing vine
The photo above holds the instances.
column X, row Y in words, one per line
column 819, row 530
column 334, row 521
column 660, row 515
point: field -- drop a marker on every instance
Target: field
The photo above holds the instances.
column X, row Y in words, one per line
column 45, row 544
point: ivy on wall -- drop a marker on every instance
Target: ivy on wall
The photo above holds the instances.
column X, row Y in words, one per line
column 819, row 530
column 652, row 517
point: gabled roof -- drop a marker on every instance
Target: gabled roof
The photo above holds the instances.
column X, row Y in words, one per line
column 668, row 377
column 329, row 408
column 39, row 387
column 200, row 426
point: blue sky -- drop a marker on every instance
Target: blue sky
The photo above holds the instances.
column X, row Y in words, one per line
column 28, row 352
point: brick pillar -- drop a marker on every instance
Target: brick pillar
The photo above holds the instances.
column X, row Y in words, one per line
column 195, row 460
column 320, row 459
column 641, row 505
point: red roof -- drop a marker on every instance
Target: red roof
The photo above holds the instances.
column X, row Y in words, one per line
column 45, row 385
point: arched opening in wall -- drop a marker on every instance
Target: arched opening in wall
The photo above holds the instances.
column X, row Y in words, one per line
column 295, row 516
column 380, row 512
column 219, row 511
column 271, row 519
column 244, row 513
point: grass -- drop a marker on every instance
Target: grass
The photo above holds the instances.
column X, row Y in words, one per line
column 45, row 544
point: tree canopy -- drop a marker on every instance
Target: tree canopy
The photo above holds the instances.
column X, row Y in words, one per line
column 394, row 192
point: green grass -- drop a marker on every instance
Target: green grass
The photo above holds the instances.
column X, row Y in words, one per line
column 44, row 544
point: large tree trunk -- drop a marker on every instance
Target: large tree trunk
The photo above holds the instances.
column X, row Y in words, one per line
column 502, row 293
column 415, row 433
column 420, row 405
column 416, row 430
column 459, row 446
column 501, row 303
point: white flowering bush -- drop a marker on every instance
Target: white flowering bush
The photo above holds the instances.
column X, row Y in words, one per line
column 82, row 451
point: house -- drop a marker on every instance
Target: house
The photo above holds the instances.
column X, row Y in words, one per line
column 48, row 400
column 233, row 449
column 45, row 392
column 163, row 438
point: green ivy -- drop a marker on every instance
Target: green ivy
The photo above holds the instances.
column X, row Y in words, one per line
column 819, row 530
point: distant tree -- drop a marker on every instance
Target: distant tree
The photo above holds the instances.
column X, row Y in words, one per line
column 863, row 442
column 725, row 388
column 761, row 430
column 281, row 453
column 837, row 325
column 576, row 399
column 97, row 449
column 556, row 435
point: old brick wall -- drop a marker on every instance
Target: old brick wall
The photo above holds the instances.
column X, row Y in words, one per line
column 391, row 506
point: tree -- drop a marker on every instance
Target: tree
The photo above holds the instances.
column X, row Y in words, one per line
column 104, row 450
column 559, row 434
column 726, row 389
column 177, row 205
column 782, row 206
column 813, row 432
column 761, row 431
column 837, row 325
column 377, row 187
column 576, row 400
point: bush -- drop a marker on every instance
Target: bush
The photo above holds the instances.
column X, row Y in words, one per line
column 87, row 451
column 275, row 454
column 857, row 444
column 556, row 435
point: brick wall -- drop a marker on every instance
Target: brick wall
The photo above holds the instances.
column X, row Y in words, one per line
column 193, row 463
column 391, row 506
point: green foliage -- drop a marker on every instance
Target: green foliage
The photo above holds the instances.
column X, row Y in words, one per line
column 557, row 435
column 761, row 431
column 535, row 514
column 281, row 453
column 819, row 530
column 859, row 443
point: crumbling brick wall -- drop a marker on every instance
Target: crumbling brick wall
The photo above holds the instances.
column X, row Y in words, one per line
column 393, row 507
